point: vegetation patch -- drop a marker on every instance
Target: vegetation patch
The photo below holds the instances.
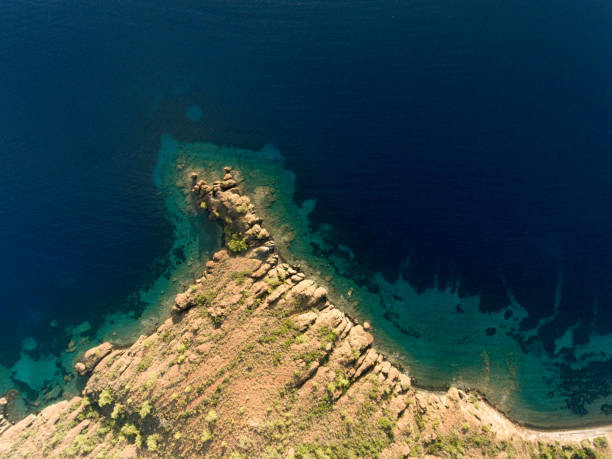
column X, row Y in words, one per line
column 235, row 242
column 145, row 409
column 204, row 298
column 145, row 363
column 240, row 276
column 105, row 398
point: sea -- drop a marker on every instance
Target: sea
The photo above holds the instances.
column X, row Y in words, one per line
column 455, row 159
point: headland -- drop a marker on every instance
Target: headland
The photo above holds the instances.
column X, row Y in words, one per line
column 258, row 360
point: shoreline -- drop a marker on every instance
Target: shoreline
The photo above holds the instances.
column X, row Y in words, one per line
column 271, row 189
column 256, row 355
column 569, row 433
column 176, row 154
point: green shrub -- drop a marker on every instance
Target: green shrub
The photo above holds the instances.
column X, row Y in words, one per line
column 204, row 299
column 339, row 383
column 273, row 282
column 217, row 320
column 387, row 425
column 206, row 436
column 105, row 398
column 144, row 364
column 145, row 409
column 327, row 335
column 240, row 276
column 212, row 417
column 129, row 430
column 308, row 357
column 235, row 243
column 420, row 422
column 81, row 446
column 152, row 442
column 118, row 411
column 600, row 442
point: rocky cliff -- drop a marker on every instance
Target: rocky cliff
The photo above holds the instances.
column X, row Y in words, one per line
column 256, row 361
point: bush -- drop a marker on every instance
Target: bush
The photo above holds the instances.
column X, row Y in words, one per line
column 152, row 442
column 129, row 430
column 204, row 299
column 387, row 425
column 600, row 442
column 145, row 409
column 206, row 436
column 118, row 411
column 81, row 446
column 105, row 398
column 235, row 243
column 211, row 417
column 240, row 276
column 144, row 364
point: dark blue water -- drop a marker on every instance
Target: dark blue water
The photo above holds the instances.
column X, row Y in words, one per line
column 474, row 139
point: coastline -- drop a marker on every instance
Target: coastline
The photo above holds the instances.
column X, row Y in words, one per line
column 246, row 288
column 275, row 204
column 193, row 241
column 271, row 188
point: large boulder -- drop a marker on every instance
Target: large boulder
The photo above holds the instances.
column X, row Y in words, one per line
column 183, row 301
column 91, row 358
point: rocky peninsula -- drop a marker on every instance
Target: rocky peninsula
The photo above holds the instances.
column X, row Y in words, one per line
column 257, row 361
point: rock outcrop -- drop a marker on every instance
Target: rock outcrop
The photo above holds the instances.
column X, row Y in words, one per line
column 256, row 361
column 91, row 358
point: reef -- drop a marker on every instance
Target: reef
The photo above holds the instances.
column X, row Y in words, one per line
column 256, row 360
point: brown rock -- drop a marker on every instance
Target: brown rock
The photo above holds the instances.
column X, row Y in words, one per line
column 368, row 362
column 92, row 357
column 183, row 301
column 278, row 292
column 261, row 271
column 404, row 381
column 308, row 373
column 306, row 320
column 227, row 184
column 359, row 339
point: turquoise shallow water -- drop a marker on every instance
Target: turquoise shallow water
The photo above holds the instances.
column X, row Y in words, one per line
column 44, row 374
column 439, row 336
column 462, row 149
